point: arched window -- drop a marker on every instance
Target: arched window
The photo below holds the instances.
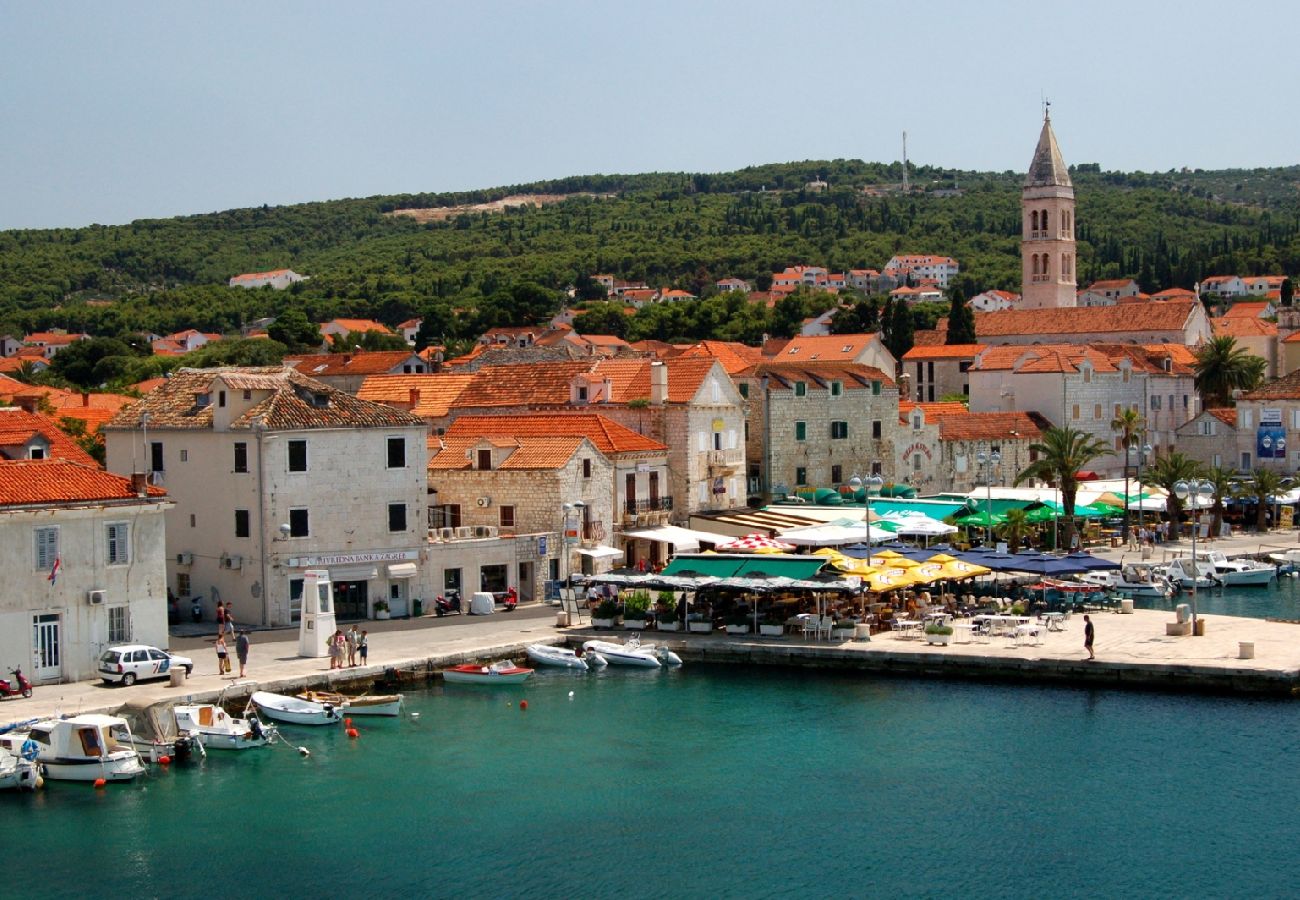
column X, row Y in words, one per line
column 1035, row 258
column 1065, row 222
column 1047, row 264
column 1033, row 218
column 1043, row 220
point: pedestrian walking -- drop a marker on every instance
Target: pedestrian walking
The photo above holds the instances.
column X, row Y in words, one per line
column 241, row 650
column 221, row 618
column 336, row 649
column 223, row 657
column 363, row 645
column 350, row 641
column 1088, row 635
column 230, row 619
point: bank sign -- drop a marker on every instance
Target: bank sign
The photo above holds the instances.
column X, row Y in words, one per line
column 1270, row 439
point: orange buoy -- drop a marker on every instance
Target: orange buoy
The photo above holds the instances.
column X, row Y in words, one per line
column 352, row 732
column 347, row 722
column 100, row 782
column 165, row 760
column 523, row 704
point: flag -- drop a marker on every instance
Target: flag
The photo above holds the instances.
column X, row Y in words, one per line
column 54, row 572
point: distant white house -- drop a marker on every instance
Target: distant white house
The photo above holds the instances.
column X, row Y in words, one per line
column 993, row 301
column 279, row 279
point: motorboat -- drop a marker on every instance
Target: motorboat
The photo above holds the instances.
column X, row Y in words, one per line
column 19, row 769
column 548, row 655
column 1239, row 572
column 156, row 734
column 294, row 711
column 502, row 672
column 365, row 705
column 85, row 748
column 1138, row 580
column 218, row 730
column 1287, row 561
column 634, row 653
column 1185, row 572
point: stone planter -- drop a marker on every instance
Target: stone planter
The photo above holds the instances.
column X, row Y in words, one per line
column 842, row 634
column 771, row 630
column 674, row 625
column 602, row 623
column 700, row 627
column 737, row 629
column 939, row 640
column 634, row 624
column 862, row 632
column 381, row 614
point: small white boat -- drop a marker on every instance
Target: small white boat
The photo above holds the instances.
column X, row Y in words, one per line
column 365, row 705
column 86, row 748
column 502, row 672
column 547, row 655
column 218, row 730
column 1184, row 572
column 156, row 733
column 17, row 771
column 1239, row 572
column 633, row 653
column 1287, row 561
column 1139, row 580
column 294, row 711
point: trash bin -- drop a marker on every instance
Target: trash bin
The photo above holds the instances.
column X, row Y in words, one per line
column 417, row 607
column 562, row 619
column 1126, row 605
column 1200, row 627
column 1184, row 612
column 177, row 677
column 1245, row 650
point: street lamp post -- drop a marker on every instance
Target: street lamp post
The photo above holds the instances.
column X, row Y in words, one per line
column 858, row 483
column 1144, row 451
column 1198, row 491
column 987, row 461
column 577, row 506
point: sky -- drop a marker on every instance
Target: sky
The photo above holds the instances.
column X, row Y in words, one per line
column 116, row 111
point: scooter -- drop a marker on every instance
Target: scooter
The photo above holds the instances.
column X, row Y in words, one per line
column 20, row 687
column 445, row 606
column 511, row 600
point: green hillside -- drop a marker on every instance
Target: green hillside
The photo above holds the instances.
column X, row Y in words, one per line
column 669, row 229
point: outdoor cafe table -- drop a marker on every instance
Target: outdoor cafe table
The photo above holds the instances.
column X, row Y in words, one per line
column 1055, row 621
column 1000, row 624
column 906, row 628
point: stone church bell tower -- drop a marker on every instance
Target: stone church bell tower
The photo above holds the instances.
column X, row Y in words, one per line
column 1047, row 228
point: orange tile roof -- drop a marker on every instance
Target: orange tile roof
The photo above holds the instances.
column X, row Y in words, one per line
column 531, row 452
column 605, row 434
column 15, row 363
column 1174, row 294
column 1285, row 388
column 10, row 386
column 844, row 347
column 943, row 351
column 374, row 362
column 148, row 385
column 1244, row 327
column 1109, row 283
column 1169, row 316
column 933, row 411
column 853, row 376
column 989, row 426
column 1226, row 415
column 249, row 276
column 1246, row 309
column 15, row 422
column 734, row 357
column 437, row 392
column 30, row 482
column 54, row 339
column 358, row 325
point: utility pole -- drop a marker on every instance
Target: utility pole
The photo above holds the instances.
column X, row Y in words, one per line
column 905, row 187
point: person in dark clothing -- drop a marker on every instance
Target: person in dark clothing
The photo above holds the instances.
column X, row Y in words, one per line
column 241, row 650
column 1088, row 634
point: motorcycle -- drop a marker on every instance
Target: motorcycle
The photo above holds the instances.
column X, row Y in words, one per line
column 19, row 687
column 445, row 606
column 511, row 600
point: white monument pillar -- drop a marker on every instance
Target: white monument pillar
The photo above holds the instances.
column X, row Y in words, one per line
column 317, row 624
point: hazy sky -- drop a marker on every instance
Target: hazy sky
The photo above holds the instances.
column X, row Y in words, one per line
column 111, row 111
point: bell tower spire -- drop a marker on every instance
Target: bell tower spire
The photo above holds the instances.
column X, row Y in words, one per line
column 1047, row 247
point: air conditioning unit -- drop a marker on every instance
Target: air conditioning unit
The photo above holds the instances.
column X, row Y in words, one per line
column 184, row 559
column 232, row 562
column 464, row 532
column 491, row 530
column 446, row 534
column 485, row 531
column 95, row 598
column 484, row 501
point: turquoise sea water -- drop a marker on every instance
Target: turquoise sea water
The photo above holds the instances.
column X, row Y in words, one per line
column 1279, row 600
column 709, row 782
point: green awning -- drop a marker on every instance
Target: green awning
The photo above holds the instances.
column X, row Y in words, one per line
column 980, row 519
column 730, row 566
column 925, row 507
column 901, row 491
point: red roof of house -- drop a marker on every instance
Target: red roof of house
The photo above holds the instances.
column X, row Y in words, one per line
column 530, row 452
column 358, row 325
column 374, row 362
column 943, row 351
column 735, row 357
column 1225, row 414
column 1243, row 327
column 823, row 348
column 991, row 426
column 1169, row 316
column 607, row 435
column 28, row 482
column 434, row 394
column 18, row 426
column 1247, row 309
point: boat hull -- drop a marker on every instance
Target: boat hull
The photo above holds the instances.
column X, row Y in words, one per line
column 557, row 657
column 225, row 733
column 371, row 705
column 17, row 774
column 1248, row 578
column 119, row 766
column 618, row 655
column 485, row 675
column 292, row 711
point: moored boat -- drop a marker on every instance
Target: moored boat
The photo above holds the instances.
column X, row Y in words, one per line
column 156, row 734
column 86, row 748
column 504, row 672
column 633, row 653
column 1185, row 572
column 365, row 705
column 294, row 711
column 19, row 770
column 1239, row 572
column 563, row 657
column 218, row 730
column 1139, row 580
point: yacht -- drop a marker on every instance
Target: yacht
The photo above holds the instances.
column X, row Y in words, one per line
column 1185, row 572
column 1139, row 580
column 1239, row 572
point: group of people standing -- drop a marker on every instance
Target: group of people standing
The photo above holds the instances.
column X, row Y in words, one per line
column 1145, row 536
column 226, row 626
column 356, row 645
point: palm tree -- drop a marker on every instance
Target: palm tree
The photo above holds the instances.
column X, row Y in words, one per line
column 1061, row 454
column 1263, row 485
column 1224, row 486
column 1130, row 426
column 1014, row 528
column 1164, row 473
column 1222, row 367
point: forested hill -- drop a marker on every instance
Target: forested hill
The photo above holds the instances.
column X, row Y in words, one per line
column 456, row 268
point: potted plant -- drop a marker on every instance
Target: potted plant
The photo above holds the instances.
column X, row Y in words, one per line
column 699, row 623
column 738, row 622
column 666, row 612
column 843, row 629
column 940, row 635
column 772, row 625
column 381, row 609
column 603, row 615
column 635, row 610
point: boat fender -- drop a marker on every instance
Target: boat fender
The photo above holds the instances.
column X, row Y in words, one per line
column 100, row 782
column 165, row 760
column 352, row 733
column 304, row 752
column 30, row 750
column 523, row 705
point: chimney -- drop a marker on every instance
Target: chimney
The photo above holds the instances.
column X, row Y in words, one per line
column 658, row 383
column 415, row 397
column 85, row 399
column 347, row 359
column 905, row 387
column 140, row 484
column 609, row 390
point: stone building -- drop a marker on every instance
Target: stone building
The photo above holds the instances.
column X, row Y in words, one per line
column 940, row 370
column 83, row 551
column 272, row 473
column 1210, row 438
column 1047, row 247
column 940, row 445
column 348, row 371
column 1268, row 426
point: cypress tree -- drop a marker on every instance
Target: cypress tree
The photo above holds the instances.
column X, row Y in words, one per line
column 1288, row 291
column 961, row 320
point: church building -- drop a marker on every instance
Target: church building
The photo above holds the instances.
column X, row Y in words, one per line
column 1047, row 239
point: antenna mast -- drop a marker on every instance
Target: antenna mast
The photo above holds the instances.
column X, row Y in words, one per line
column 905, row 188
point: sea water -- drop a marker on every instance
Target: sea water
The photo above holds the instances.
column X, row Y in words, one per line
column 706, row 782
column 1280, row 599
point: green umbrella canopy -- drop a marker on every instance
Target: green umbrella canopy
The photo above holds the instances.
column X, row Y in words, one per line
column 981, row 519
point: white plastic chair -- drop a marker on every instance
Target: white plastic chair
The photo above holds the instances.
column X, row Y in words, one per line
column 811, row 625
column 827, row 623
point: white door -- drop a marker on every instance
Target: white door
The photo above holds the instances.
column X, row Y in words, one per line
column 47, row 650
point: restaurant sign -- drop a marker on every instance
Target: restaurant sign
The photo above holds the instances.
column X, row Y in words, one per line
column 353, row 559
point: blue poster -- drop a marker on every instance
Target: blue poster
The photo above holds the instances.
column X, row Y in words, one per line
column 1270, row 442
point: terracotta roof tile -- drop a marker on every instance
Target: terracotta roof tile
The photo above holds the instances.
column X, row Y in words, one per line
column 14, row 421
column 735, row 357
column 1168, row 316
column 1225, row 414
column 933, row 411
column 943, row 351
column 531, row 452
column 1285, row 388
column 1247, row 309
column 375, row 362
column 359, row 325
column 853, row 376
column 30, row 482
column 605, row 434
column 1243, row 327
column 843, row 347
column 981, row 426
column 437, row 392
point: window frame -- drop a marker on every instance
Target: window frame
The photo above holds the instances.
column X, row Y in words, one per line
column 399, row 442
column 296, row 444
column 800, row 431
column 122, row 555
column 244, row 518
column 52, row 541
column 393, row 509
column 296, row 512
column 241, row 457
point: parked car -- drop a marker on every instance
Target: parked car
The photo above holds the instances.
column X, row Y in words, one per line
column 130, row 663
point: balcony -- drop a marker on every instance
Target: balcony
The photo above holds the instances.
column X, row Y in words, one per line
column 647, row 512
column 719, row 461
column 593, row 531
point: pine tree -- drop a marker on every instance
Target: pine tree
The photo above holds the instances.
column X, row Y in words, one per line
column 961, row 320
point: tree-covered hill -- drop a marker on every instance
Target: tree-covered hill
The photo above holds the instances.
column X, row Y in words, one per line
column 669, row 229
